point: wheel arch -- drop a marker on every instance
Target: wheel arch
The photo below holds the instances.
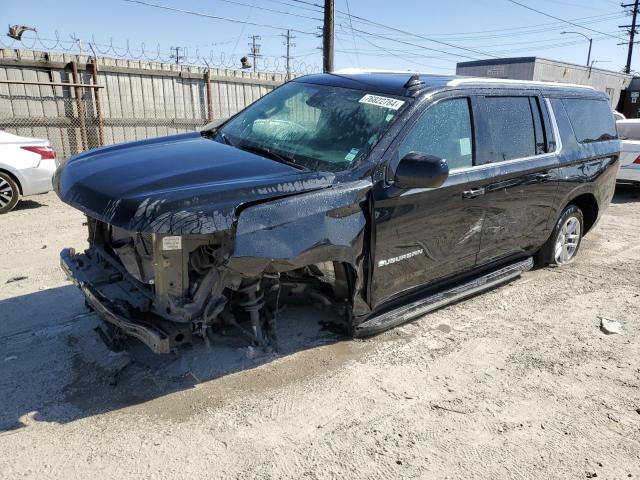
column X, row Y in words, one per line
column 13, row 177
column 588, row 203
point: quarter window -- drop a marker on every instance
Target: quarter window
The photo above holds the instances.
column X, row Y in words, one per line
column 592, row 120
column 443, row 130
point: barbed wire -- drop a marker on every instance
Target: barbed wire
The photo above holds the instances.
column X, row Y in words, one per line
column 266, row 63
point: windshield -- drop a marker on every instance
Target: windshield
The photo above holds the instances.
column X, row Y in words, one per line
column 314, row 126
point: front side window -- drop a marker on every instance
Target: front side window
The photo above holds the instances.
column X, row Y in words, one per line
column 592, row 120
column 443, row 130
column 509, row 129
column 318, row 127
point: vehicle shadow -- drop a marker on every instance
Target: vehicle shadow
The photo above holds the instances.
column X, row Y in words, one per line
column 626, row 194
column 27, row 205
column 55, row 368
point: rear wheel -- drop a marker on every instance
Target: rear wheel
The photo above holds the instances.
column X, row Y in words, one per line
column 9, row 193
column 563, row 244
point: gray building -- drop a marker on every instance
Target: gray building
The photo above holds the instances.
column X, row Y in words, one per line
column 545, row 70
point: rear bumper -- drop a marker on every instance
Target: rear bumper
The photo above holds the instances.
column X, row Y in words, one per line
column 629, row 173
column 158, row 334
column 38, row 179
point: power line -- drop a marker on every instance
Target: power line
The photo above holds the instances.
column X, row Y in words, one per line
column 549, row 25
column 242, row 4
column 289, row 4
column 519, row 31
column 308, row 3
column 371, row 22
column 544, row 47
column 414, row 44
column 545, row 41
column 214, row 17
column 395, row 54
column 415, row 35
column 562, row 19
column 570, row 4
column 353, row 35
column 242, row 29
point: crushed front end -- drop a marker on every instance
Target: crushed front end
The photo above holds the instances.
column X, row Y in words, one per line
column 166, row 289
column 210, row 242
column 160, row 289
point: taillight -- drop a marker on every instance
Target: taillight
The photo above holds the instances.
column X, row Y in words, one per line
column 637, row 160
column 46, row 153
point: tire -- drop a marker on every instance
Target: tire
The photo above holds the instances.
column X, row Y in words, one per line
column 9, row 193
column 562, row 246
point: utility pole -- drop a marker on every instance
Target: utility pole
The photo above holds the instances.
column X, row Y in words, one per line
column 255, row 49
column 288, row 37
column 327, row 35
column 632, row 32
column 177, row 55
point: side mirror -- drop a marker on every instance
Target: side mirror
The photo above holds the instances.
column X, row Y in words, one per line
column 417, row 170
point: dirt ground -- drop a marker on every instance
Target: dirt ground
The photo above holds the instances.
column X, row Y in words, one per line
column 515, row 383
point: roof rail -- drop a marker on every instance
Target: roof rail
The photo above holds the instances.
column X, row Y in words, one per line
column 463, row 80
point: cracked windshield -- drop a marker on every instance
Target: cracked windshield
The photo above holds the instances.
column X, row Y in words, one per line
column 313, row 126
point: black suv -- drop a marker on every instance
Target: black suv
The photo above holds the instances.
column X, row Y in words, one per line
column 379, row 195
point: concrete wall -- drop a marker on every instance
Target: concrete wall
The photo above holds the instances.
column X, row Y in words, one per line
column 139, row 99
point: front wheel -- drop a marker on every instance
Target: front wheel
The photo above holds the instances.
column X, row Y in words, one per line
column 563, row 244
column 9, row 193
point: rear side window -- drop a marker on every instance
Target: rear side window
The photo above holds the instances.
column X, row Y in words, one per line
column 509, row 129
column 592, row 120
column 443, row 130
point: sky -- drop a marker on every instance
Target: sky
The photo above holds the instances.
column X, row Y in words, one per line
column 425, row 35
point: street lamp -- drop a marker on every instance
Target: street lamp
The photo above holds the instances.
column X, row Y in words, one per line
column 593, row 62
column 590, row 43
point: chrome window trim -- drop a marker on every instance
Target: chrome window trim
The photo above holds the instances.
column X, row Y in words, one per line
column 556, row 135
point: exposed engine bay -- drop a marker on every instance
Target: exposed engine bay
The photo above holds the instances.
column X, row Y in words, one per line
column 166, row 289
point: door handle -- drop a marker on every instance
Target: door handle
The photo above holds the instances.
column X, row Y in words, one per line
column 543, row 177
column 473, row 193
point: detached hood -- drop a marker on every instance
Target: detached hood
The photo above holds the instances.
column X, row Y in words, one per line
column 182, row 184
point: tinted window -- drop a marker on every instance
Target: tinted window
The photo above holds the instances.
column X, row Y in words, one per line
column 592, row 120
column 509, row 128
column 444, row 130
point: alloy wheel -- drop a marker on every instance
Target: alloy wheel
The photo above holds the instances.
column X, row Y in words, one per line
column 6, row 193
column 568, row 241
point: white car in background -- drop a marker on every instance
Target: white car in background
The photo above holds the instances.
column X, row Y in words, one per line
column 27, row 166
column 629, row 133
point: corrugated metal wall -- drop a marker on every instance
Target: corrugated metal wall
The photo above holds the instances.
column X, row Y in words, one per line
column 520, row 70
column 139, row 99
column 611, row 83
column 541, row 69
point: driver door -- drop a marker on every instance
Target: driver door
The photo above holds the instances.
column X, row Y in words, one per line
column 423, row 235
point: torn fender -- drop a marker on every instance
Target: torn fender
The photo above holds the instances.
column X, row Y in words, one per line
column 289, row 233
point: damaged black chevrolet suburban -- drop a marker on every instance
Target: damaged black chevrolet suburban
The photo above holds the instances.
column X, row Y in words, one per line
column 381, row 196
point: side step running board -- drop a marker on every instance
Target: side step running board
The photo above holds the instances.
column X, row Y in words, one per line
column 405, row 313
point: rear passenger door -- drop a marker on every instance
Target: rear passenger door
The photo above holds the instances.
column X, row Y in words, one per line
column 515, row 178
